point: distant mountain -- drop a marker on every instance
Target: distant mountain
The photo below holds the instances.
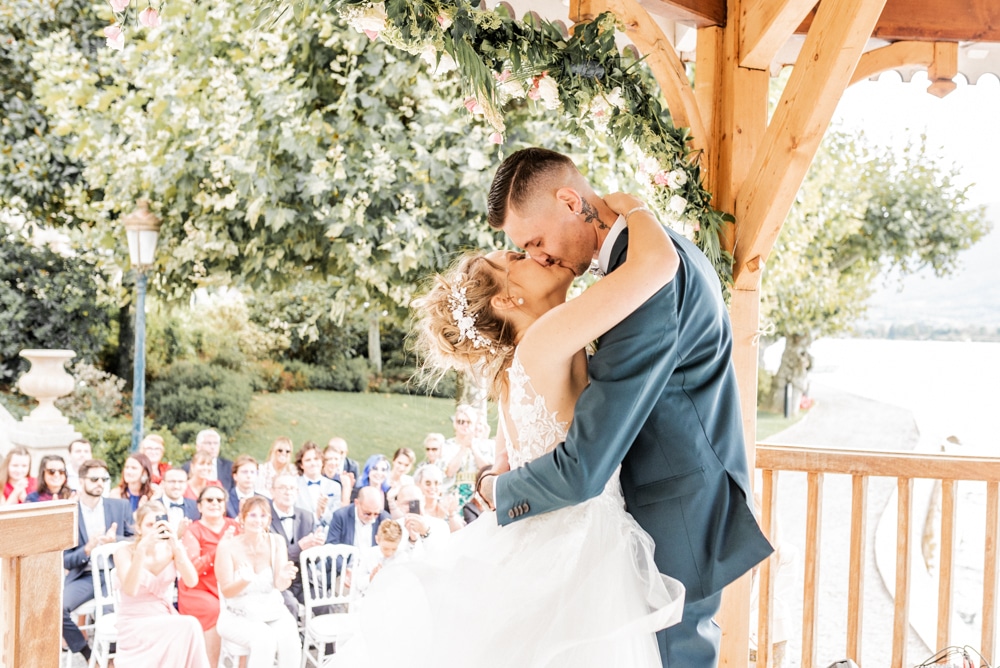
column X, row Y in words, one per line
column 968, row 298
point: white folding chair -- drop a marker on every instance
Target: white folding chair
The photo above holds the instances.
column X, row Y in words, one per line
column 328, row 599
column 105, row 605
column 84, row 615
column 231, row 652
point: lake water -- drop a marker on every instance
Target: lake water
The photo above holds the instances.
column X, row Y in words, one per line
column 949, row 386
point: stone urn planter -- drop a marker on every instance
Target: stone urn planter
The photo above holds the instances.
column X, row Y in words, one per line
column 46, row 381
column 45, row 429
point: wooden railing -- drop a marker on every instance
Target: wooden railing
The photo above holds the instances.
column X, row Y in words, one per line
column 862, row 465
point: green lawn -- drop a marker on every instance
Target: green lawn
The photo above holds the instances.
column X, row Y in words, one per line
column 371, row 423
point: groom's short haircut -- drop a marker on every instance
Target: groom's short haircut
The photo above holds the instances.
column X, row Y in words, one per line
column 518, row 177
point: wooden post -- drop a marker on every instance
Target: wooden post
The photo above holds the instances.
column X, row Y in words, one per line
column 32, row 538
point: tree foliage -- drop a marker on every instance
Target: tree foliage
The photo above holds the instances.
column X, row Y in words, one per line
column 274, row 155
column 47, row 300
column 861, row 212
column 35, row 169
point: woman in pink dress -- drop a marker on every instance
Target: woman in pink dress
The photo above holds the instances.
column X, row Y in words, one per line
column 150, row 632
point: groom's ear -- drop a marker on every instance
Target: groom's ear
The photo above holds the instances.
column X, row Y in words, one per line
column 570, row 198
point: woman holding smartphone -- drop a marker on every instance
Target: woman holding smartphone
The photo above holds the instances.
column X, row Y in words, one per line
column 150, row 631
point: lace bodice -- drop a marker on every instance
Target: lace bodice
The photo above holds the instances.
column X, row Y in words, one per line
column 533, row 429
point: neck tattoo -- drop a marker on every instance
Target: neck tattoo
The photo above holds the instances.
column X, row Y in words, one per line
column 591, row 216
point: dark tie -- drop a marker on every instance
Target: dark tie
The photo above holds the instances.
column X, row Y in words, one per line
column 313, row 482
column 282, row 518
column 177, row 505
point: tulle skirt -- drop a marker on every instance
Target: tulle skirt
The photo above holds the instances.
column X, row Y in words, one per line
column 575, row 587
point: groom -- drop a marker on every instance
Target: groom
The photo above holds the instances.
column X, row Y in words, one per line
column 662, row 402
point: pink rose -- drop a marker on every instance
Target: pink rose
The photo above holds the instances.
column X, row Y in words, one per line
column 496, row 138
column 661, row 178
column 115, row 37
column 119, row 6
column 149, row 17
column 502, row 76
column 372, row 34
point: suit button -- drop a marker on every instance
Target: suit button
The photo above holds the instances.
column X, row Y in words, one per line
column 511, row 514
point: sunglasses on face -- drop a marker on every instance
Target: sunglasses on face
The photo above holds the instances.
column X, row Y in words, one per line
column 286, row 452
column 463, row 421
column 100, row 478
column 56, row 471
column 213, row 499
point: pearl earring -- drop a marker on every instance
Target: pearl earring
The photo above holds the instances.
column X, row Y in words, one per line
column 520, row 301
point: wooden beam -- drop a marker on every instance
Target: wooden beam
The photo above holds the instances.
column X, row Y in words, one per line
column 940, row 59
column 823, row 70
column 661, row 57
column 892, row 56
column 943, row 69
column 930, row 20
column 709, row 60
column 765, row 27
column 700, row 13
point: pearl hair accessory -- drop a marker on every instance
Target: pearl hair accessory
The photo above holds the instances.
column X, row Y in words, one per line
column 520, row 301
column 459, row 305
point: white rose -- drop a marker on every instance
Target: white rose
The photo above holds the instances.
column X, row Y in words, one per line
column 371, row 20
column 677, row 205
column 676, row 179
column 548, row 93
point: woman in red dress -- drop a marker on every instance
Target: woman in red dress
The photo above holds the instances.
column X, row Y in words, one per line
column 201, row 541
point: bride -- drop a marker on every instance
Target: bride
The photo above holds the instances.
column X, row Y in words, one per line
column 575, row 587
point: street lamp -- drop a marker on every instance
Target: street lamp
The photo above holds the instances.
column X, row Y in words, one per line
column 142, row 229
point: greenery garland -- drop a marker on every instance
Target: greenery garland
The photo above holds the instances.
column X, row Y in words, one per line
column 596, row 87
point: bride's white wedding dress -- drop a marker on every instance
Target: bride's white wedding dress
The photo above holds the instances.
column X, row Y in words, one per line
column 576, row 587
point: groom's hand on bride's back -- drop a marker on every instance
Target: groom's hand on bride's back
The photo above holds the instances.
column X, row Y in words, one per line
column 487, row 488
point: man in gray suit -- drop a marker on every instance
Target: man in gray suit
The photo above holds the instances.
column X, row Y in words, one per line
column 101, row 521
column 662, row 402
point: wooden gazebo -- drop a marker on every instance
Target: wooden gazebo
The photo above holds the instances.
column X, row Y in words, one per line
column 754, row 167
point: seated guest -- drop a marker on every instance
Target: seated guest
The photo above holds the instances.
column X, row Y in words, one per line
column 150, row 632
column 279, row 461
column 252, row 569
column 443, row 506
column 355, row 524
column 136, row 486
column 375, row 474
column 477, row 504
column 181, row 511
column 52, row 471
column 79, row 452
column 209, row 442
column 321, row 495
column 337, row 466
column 101, row 521
column 199, row 475
column 153, row 447
column 433, row 447
column 399, row 472
column 297, row 526
column 384, row 552
column 419, row 530
column 201, row 541
column 244, row 484
column 14, row 478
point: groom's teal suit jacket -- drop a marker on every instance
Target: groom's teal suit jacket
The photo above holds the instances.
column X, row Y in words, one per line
column 663, row 403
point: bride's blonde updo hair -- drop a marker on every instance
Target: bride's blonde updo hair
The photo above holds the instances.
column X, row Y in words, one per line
column 458, row 328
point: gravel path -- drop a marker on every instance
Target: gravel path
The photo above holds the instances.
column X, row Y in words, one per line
column 841, row 420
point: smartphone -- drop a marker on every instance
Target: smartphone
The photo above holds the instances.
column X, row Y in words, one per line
column 415, row 506
column 163, row 517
